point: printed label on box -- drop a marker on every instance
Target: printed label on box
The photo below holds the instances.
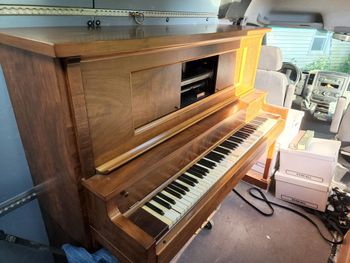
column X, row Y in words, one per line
column 305, row 176
column 298, row 201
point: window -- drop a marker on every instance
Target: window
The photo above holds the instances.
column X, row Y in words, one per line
column 319, row 42
column 311, row 49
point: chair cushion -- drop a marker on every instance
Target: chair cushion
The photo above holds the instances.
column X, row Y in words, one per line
column 270, row 58
column 275, row 83
column 343, row 133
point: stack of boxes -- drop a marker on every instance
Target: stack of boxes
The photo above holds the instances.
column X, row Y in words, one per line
column 305, row 176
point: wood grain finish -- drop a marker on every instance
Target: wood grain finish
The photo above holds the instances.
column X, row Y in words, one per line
column 148, row 179
column 81, row 41
column 77, row 100
column 155, row 93
column 86, row 100
column 108, row 85
column 39, row 97
column 226, row 69
column 248, row 59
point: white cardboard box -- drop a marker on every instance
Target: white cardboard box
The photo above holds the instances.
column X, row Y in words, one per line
column 301, row 191
column 316, row 164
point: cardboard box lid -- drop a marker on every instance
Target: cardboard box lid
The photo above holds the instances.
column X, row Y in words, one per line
column 301, row 182
column 318, row 149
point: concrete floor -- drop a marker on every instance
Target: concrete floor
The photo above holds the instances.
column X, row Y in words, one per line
column 240, row 234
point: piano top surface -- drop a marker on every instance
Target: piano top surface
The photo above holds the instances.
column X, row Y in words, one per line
column 81, row 41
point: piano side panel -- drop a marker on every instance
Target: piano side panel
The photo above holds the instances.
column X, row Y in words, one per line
column 248, row 57
column 117, row 233
column 37, row 90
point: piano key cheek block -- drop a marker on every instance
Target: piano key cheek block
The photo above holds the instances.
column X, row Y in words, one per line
column 139, row 139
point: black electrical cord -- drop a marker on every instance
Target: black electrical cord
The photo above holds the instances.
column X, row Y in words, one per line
column 31, row 244
column 339, row 238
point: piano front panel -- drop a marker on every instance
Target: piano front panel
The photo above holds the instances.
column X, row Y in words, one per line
column 153, row 93
column 120, row 128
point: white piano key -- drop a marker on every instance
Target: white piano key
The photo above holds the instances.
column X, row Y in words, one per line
column 213, row 175
column 193, row 190
column 168, row 213
column 179, row 201
column 160, row 217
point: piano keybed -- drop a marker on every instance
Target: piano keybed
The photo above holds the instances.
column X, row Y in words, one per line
column 171, row 204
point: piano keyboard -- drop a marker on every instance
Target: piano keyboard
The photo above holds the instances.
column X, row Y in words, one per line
column 178, row 197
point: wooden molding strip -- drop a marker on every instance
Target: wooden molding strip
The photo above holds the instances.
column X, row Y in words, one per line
column 26, row 10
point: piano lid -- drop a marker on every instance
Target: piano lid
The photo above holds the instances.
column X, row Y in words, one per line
column 81, row 41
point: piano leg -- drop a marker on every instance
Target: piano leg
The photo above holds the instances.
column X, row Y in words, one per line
column 258, row 179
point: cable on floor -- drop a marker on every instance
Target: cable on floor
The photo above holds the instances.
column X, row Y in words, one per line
column 338, row 236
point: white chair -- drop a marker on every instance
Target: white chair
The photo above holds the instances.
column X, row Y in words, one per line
column 341, row 126
column 280, row 92
column 341, row 121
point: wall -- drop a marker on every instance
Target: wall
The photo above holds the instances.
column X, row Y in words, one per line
column 296, row 42
column 14, row 174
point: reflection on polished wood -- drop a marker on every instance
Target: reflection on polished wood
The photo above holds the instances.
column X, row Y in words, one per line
column 100, row 116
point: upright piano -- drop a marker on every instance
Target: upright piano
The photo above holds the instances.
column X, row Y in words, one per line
column 137, row 132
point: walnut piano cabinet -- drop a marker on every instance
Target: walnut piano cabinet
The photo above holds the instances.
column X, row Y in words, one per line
column 108, row 117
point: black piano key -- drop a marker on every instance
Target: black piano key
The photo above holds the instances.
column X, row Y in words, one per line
column 216, row 160
column 186, row 181
column 214, row 156
column 177, row 189
column 154, row 208
column 241, row 135
column 235, row 139
column 228, row 145
column 200, row 168
column 253, row 126
column 161, row 202
column 233, row 142
column 180, row 186
column 194, row 180
column 167, row 198
column 250, row 126
column 174, row 193
column 246, row 130
column 222, row 150
column 196, row 173
column 207, row 163
column 259, row 118
column 149, row 223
